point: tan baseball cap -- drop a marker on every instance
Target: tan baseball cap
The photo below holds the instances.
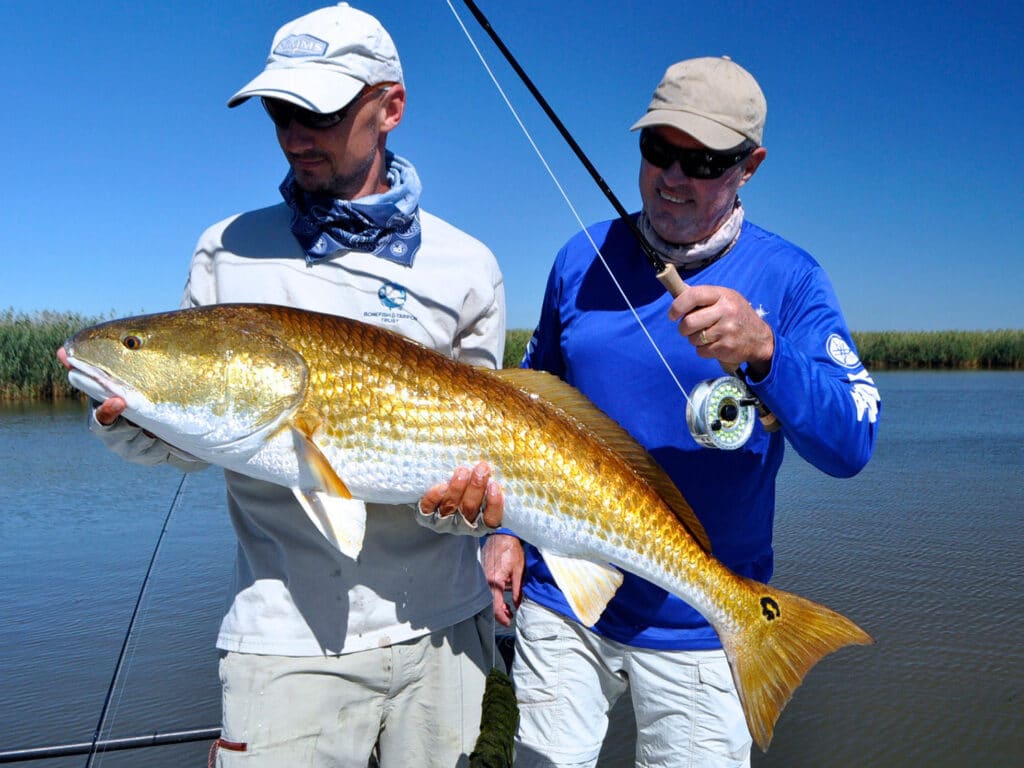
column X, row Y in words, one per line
column 713, row 99
column 320, row 61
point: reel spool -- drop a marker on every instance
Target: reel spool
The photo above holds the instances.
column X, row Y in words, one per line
column 721, row 413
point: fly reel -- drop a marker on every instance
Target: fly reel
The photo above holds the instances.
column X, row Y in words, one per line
column 721, row 413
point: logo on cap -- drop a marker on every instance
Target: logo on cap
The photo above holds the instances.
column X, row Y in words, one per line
column 295, row 46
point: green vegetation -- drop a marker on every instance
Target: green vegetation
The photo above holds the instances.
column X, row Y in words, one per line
column 515, row 347
column 905, row 350
column 970, row 350
column 29, row 369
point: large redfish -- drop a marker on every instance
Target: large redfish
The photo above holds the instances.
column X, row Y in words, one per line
column 344, row 413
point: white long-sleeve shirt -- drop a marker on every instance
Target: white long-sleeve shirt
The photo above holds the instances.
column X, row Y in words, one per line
column 294, row 593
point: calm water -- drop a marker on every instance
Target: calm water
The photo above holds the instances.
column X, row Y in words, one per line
column 923, row 549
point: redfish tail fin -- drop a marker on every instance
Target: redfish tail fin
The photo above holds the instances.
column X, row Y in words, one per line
column 781, row 636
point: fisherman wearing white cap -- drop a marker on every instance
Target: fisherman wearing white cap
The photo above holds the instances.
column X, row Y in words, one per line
column 753, row 302
column 326, row 660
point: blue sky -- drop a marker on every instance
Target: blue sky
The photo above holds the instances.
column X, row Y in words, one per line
column 891, row 136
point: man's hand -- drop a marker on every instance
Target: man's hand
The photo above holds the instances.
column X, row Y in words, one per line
column 502, row 557
column 721, row 324
column 110, row 409
column 467, row 492
column 504, row 562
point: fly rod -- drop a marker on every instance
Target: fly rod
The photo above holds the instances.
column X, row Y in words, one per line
column 723, row 423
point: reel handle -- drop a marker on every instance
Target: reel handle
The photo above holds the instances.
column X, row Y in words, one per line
column 674, row 284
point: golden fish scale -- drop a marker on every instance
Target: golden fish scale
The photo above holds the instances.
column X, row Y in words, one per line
column 358, row 395
column 534, row 447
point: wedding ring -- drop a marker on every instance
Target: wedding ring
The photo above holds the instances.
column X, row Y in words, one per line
column 703, row 337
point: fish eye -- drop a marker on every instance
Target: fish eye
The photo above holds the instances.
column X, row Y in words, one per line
column 132, row 342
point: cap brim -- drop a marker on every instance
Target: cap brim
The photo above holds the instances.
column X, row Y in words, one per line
column 311, row 89
column 709, row 133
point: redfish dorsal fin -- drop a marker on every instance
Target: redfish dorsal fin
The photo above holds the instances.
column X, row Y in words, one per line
column 575, row 405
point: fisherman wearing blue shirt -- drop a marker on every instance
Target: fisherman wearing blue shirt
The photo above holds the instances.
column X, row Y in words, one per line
column 754, row 303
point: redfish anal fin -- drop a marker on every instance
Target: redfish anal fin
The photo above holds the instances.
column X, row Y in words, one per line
column 587, row 586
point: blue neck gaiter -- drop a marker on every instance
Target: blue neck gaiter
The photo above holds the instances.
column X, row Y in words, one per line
column 386, row 224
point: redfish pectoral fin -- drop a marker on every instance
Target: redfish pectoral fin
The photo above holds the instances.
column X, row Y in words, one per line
column 341, row 521
column 587, row 586
column 326, row 499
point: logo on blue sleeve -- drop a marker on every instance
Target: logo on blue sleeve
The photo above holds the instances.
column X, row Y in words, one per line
column 840, row 351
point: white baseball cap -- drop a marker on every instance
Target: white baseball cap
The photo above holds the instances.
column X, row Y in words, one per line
column 713, row 99
column 322, row 60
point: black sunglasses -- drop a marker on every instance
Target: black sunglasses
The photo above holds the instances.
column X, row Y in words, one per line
column 695, row 163
column 283, row 112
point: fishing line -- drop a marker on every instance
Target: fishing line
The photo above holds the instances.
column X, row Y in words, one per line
column 131, row 625
column 565, row 196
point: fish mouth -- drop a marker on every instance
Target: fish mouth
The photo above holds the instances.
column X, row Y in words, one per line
column 93, row 381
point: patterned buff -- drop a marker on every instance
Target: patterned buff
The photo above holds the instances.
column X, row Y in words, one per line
column 386, row 225
column 697, row 255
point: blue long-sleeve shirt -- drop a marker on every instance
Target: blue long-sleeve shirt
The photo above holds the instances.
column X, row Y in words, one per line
column 817, row 387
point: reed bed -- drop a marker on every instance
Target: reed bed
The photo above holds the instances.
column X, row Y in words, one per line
column 962, row 350
column 890, row 350
column 29, row 369
column 515, row 346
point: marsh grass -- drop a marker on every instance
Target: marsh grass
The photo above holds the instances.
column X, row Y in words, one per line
column 888, row 350
column 963, row 350
column 29, row 369
column 515, row 346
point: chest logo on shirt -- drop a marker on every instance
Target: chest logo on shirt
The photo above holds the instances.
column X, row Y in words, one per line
column 392, row 295
column 840, row 351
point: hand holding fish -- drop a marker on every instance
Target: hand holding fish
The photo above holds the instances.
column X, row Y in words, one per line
column 469, row 493
column 722, row 324
column 109, row 410
column 502, row 557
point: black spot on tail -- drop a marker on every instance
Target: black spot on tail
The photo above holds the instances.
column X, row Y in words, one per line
column 770, row 608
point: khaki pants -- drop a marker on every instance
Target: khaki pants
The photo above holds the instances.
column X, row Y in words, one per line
column 420, row 700
column 688, row 714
